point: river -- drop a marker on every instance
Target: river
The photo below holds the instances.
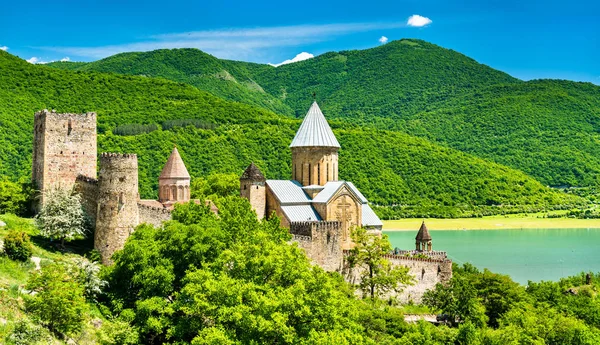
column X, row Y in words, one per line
column 528, row 254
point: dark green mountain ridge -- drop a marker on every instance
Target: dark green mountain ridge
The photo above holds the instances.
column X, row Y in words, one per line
column 547, row 128
column 389, row 167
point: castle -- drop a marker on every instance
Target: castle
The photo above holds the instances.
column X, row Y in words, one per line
column 65, row 156
column 318, row 208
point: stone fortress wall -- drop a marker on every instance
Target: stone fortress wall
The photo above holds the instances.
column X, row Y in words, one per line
column 322, row 242
column 87, row 188
column 153, row 215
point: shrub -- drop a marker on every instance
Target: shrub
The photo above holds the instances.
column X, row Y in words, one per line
column 17, row 245
column 26, row 333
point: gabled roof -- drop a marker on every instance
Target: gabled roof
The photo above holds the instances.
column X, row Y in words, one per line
column 288, row 192
column 300, row 213
column 332, row 187
column 314, row 130
column 369, row 218
column 174, row 168
column 423, row 234
column 253, row 173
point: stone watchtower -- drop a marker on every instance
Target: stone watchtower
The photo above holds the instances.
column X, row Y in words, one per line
column 118, row 198
column 314, row 150
column 174, row 181
column 64, row 146
column 252, row 187
column 423, row 239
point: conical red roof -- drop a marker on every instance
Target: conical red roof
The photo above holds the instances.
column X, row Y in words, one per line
column 174, row 167
column 423, row 234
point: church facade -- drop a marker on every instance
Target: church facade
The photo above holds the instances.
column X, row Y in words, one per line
column 314, row 193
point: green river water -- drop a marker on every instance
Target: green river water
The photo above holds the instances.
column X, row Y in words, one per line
column 528, row 254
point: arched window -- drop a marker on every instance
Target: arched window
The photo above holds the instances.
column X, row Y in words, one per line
column 173, row 193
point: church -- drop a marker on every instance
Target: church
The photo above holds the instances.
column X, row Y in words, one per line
column 314, row 193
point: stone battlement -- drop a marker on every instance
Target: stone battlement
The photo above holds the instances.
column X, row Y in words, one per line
column 53, row 112
column 434, row 254
column 154, row 208
column 300, row 238
column 306, row 228
column 86, row 179
column 111, row 155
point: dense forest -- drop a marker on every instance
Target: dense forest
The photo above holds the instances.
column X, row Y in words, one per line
column 231, row 279
column 548, row 129
column 148, row 116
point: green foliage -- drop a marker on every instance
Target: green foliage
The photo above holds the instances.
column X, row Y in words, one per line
column 215, row 185
column 62, row 216
column 389, row 167
column 378, row 276
column 134, row 129
column 58, row 302
column 117, row 332
column 86, row 273
column 17, row 245
column 27, row 333
column 14, row 197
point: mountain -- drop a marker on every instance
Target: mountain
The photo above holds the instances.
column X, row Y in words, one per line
column 548, row 129
column 224, row 136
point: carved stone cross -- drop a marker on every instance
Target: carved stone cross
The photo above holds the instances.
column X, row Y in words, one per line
column 344, row 214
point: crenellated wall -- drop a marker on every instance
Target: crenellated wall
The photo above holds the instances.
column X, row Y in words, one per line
column 153, row 215
column 321, row 241
column 87, row 187
column 426, row 272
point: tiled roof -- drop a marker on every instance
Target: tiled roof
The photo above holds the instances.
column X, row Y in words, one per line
column 300, row 213
column 369, row 218
column 174, row 168
column 288, row 192
column 423, row 234
column 314, row 130
column 253, row 173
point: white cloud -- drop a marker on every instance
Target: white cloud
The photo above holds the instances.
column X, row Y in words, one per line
column 65, row 59
column 300, row 57
column 418, row 21
column 33, row 60
column 5, row 48
column 383, row 40
column 232, row 43
column 38, row 61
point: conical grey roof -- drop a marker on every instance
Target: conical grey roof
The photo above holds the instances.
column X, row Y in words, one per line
column 423, row 234
column 314, row 130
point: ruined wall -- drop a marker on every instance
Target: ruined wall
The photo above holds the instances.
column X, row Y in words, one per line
column 153, row 215
column 64, row 146
column 255, row 192
column 118, row 198
column 321, row 242
column 87, row 187
column 314, row 165
column 426, row 273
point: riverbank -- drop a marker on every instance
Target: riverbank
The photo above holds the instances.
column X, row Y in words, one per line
column 491, row 223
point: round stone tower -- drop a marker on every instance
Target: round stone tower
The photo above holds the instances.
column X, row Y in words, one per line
column 314, row 150
column 423, row 239
column 117, row 203
column 174, row 181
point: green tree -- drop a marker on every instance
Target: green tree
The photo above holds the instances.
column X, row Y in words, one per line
column 14, row 197
column 377, row 275
column 59, row 301
column 17, row 245
column 62, row 216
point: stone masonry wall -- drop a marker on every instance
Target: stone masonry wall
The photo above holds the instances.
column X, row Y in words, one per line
column 64, row 147
column 321, row 241
column 153, row 215
column 118, row 197
column 425, row 272
column 256, row 194
column 87, row 187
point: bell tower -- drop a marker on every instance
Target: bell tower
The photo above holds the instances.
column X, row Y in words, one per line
column 423, row 239
column 314, row 150
column 174, row 181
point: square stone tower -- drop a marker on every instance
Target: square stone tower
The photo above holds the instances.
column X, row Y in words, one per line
column 64, row 146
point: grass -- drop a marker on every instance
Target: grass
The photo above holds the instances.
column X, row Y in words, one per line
column 519, row 221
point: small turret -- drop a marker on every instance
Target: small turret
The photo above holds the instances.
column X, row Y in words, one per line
column 423, row 239
column 252, row 187
column 174, row 181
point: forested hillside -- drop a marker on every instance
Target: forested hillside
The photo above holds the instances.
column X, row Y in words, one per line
column 225, row 136
column 547, row 129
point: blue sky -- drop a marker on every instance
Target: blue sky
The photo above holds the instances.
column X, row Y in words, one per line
column 528, row 39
